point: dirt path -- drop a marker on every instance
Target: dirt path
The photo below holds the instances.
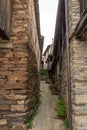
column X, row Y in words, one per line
column 45, row 119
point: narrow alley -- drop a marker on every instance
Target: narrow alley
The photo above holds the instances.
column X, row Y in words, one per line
column 46, row 117
column 43, row 50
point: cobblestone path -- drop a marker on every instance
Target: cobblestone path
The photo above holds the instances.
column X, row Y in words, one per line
column 45, row 119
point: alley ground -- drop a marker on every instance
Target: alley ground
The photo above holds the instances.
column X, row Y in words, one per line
column 46, row 117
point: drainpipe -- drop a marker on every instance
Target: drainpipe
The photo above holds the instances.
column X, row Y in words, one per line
column 68, row 65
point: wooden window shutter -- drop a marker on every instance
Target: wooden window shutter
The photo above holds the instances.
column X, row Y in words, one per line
column 5, row 18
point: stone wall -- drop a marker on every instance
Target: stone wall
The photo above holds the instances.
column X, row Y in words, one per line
column 78, row 66
column 79, row 83
column 78, row 51
column 33, row 27
column 19, row 69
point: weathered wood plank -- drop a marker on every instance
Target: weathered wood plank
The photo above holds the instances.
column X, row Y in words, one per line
column 83, row 5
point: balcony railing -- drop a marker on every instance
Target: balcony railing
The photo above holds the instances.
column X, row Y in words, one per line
column 5, row 17
column 83, row 5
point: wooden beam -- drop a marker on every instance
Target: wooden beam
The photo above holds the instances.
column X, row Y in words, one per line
column 82, row 25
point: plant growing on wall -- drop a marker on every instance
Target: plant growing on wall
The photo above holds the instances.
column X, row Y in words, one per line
column 33, row 115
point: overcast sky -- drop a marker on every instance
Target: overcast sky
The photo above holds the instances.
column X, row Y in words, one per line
column 48, row 11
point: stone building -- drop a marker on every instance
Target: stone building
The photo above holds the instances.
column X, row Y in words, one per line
column 69, row 63
column 46, row 54
column 42, row 45
column 20, row 50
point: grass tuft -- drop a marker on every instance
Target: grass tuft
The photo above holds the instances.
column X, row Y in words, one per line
column 61, row 111
column 66, row 123
column 60, row 108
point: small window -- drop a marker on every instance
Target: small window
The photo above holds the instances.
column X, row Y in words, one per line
column 5, row 19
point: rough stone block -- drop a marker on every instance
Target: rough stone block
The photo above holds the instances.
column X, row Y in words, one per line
column 18, row 127
column 81, row 99
column 18, row 97
column 4, row 107
column 18, row 108
column 3, row 121
column 4, row 128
